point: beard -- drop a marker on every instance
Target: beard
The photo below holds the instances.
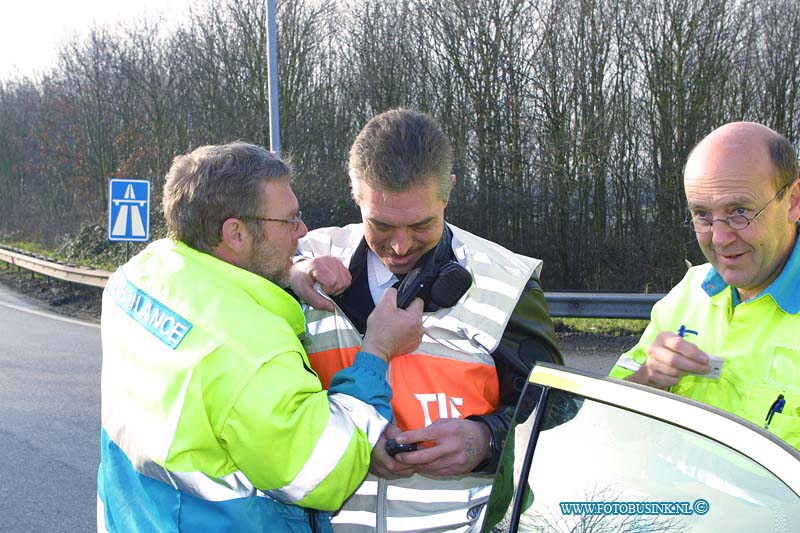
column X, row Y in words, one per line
column 268, row 265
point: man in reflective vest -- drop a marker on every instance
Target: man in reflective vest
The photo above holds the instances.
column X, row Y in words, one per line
column 455, row 393
column 212, row 419
column 727, row 334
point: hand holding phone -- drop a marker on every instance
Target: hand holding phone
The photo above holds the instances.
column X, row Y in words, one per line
column 393, row 447
column 415, row 284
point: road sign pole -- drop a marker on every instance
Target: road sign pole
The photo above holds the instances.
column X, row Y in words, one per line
column 272, row 66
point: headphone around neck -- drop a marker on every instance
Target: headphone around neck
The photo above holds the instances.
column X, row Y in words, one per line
column 439, row 281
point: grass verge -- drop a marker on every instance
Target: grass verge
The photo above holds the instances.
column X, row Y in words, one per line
column 601, row 326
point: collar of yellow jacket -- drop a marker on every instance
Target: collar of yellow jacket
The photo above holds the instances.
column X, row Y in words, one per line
column 264, row 292
column 784, row 290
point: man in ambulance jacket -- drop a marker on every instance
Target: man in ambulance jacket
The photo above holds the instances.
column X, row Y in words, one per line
column 212, row 419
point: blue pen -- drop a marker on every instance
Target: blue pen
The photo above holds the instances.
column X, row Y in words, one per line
column 776, row 407
column 682, row 332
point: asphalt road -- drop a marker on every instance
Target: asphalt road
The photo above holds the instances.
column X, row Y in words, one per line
column 49, row 419
column 50, row 416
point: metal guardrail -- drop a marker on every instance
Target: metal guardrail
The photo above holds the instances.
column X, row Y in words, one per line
column 75, row 274
column 600, row 305
column 560, row 304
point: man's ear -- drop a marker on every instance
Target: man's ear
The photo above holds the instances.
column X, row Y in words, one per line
column 235, row 235
column 794, row 201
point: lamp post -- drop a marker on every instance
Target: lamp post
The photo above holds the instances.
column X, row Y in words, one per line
column 272, row 83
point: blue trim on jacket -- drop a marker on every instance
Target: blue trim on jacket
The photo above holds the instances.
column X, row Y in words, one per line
column 785, row 289
column 373, row 390
column 154, row 507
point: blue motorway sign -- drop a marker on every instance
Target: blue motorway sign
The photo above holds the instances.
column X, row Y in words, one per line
column 128, row 210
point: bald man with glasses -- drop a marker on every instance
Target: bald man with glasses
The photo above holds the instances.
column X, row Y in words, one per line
column 727, row 334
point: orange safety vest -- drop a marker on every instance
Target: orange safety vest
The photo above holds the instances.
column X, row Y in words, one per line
column 450, row 375
column 425, row 386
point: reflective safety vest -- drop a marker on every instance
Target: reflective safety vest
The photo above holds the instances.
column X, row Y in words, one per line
column 211, row 418
column 758, row 340
column 450, row 375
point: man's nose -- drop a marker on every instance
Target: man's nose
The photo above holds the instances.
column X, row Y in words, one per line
column 721, row 233
column 401, row 242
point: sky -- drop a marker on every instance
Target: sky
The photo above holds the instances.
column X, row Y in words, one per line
column 31, row 31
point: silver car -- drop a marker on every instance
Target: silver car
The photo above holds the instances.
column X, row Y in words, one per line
column 596, row 454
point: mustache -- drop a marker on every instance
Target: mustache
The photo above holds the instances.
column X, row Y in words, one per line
column 391, row 253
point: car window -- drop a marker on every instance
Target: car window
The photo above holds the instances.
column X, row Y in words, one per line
column 600, row 467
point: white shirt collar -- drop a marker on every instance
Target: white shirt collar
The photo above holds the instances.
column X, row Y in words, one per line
column 378, row 275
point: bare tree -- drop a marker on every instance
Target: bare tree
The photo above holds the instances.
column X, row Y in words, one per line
column 571, row 120
column 779, row 67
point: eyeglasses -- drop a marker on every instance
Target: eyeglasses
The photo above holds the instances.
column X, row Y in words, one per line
column 735, row 222
column 295, row 222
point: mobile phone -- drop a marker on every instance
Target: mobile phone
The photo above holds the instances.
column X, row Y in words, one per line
column 393, row 447
column 414, row 285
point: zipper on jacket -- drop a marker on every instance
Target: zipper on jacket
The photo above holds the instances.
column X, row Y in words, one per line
column 311, row 521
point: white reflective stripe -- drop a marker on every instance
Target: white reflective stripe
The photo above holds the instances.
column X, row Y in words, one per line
column 368, row 519
column 200, row 485
column 427, row 338
column 326, row 455
column 329, row 449
column 362, row 414
column 456, row 350
column 513, row 263
column 626, row 362
column 332, row 445
column 495, row 285
column 488, row 311
column 430, row 521
column 433, row 495
column 232, row 486
column 481, row 257
column 362, row 518
column 368, row 488
column 325, row 325
column 461, row 345
column 461, row 328
column 477, row 338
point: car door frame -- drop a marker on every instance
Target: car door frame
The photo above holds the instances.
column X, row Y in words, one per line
column 760, row 446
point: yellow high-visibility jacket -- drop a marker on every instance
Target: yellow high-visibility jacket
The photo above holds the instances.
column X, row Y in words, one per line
column 759, row 341
column 212, row 419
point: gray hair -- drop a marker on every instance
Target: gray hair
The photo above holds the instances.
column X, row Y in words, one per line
column 784, row 158
column 400, row 149
column 213, row 183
